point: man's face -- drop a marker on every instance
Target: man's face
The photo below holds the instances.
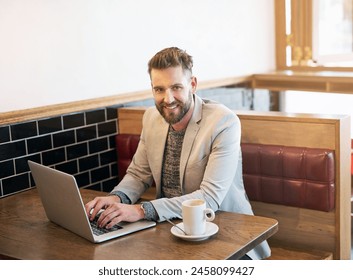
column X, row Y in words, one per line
column 172, row 91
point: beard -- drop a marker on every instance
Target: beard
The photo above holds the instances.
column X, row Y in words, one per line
column 175, row 117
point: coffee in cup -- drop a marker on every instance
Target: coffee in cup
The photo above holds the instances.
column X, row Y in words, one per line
column 195, row 216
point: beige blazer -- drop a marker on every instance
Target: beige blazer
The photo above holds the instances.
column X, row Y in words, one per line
column 210, row 163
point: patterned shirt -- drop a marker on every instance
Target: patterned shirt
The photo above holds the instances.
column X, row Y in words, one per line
column 170, row 173
column 171, row 164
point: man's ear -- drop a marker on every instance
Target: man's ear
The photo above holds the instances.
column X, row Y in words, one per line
column 193, row 84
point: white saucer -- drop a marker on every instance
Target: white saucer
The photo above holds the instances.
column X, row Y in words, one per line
column 211, row 229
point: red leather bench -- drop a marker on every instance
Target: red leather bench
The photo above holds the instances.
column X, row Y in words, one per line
column 292, row 176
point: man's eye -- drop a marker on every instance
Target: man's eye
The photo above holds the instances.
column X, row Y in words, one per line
column 177, row 88
column 158, row 90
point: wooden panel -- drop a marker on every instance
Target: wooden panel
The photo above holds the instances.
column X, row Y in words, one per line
column 291, row 85
column 130, row 120
column 313, row 135
column 298, row 227
column 320, row 81
column 343, row 193
column 280, row 29
column 340, row 87
column 66, row 108
column 280, row 253
column 298, row 130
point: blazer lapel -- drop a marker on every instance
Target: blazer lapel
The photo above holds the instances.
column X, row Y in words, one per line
column 189, row 138
column 160, row 131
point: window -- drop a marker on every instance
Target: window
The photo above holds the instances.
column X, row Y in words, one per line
column 332, row 32
column 314, row 33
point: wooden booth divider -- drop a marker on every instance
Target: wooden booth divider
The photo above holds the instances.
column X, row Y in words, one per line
column 325, row 235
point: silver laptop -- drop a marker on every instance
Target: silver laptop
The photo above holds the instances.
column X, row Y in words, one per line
column 63, row 205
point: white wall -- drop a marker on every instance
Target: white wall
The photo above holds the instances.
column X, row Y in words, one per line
column 56, row 51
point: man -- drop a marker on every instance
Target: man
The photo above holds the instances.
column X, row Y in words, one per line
column 189, row 147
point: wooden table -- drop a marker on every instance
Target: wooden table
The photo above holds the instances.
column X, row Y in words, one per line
column 26, row 233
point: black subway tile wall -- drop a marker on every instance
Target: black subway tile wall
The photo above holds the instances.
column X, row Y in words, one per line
column 81, row 144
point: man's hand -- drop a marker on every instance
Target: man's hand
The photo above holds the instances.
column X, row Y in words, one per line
column 114, row 211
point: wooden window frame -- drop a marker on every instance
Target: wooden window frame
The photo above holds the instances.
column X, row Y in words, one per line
column 300, row 40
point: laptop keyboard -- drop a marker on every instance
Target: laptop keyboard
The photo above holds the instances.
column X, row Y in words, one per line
column 99, row 231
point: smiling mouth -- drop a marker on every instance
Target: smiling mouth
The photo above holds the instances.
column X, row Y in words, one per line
column 171, row 107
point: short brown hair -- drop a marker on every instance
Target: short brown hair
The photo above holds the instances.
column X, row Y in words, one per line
column 171, row 57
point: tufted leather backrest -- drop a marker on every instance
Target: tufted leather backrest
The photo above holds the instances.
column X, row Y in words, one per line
column 126, row 145
column 293, row 176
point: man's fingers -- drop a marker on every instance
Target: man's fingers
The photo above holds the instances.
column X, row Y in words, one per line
column 110, row 217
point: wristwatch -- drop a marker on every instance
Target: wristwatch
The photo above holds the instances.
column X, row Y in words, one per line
column 143, row 209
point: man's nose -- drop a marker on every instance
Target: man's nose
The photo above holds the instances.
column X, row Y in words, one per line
column 169, row 97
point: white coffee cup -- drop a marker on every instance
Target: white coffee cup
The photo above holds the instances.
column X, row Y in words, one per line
column 195, row 216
